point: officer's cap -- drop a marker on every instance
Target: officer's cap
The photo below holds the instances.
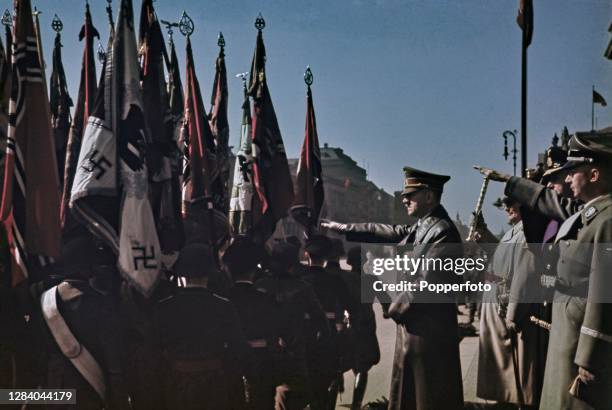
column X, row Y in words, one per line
column 195, row 261
column 319, row 246
column 415, row 180
column 589, row 148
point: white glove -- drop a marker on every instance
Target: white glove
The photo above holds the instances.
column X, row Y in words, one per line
column 333, row 226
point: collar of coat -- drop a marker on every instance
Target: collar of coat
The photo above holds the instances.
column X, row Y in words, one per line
column 428, row 221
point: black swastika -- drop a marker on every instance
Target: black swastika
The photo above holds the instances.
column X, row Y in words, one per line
column 97, row 162
column 141, row 251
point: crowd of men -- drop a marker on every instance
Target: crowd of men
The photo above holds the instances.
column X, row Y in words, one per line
column 260, row 330
column 248, row 322
column 248, row 326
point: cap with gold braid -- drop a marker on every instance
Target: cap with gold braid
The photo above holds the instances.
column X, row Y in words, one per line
column 415, row 180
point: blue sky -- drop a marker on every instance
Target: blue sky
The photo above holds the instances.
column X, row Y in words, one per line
column 426, row 83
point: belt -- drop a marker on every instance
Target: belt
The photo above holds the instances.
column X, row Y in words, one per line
column 330, row 315
column 194, row 366
column 258, row 343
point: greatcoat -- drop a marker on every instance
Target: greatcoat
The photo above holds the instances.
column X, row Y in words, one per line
column 426, row 367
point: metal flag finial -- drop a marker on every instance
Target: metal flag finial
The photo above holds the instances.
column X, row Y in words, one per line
column 56, row 24
column 244, row 77
column 186, row 25
column 308, row 77
column 221, row 40
column 7, row 19
column 169, row 26
column 260, row 23
column 101, row 53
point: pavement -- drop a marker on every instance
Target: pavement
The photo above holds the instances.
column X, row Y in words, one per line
column 380, row 375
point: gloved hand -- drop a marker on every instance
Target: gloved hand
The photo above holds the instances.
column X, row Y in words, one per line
column 333, row 226
column 492, row 174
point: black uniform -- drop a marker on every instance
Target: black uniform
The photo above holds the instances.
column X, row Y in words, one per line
column 323, row 353
column 301, row 310
column 204, row 350
column 262, row 325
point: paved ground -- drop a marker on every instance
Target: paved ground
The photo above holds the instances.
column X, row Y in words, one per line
column 380, row 375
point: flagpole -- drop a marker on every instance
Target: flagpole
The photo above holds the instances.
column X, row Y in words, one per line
column 524, row 105
column 593, row 109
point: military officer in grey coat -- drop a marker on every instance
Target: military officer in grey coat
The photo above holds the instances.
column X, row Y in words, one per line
column 508, row 353
column 580, row 347
column 426, row 368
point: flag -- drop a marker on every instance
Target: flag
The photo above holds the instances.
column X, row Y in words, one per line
column 88, row 89
column 60, row 102
column 220, row 126
column 598, row 99
column 271, row 177
column 162, row 151
column 241, row 201
column 30, row 195
column 5, row 91
column 525, row 20
column 110, row 189
column 309, row 195
column 175, row 91
column 200, row 173
column 39, row 45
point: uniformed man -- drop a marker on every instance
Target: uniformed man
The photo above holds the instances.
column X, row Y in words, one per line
column 83, row 325
column 323, row 353
column 581, row 333
column 200, row 335
column 365, row 352
column 261, row 323
column 508, row 350
column 426, row 369
column 300, row 307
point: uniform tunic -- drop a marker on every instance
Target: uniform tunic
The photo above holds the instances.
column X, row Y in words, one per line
column 581, row 333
